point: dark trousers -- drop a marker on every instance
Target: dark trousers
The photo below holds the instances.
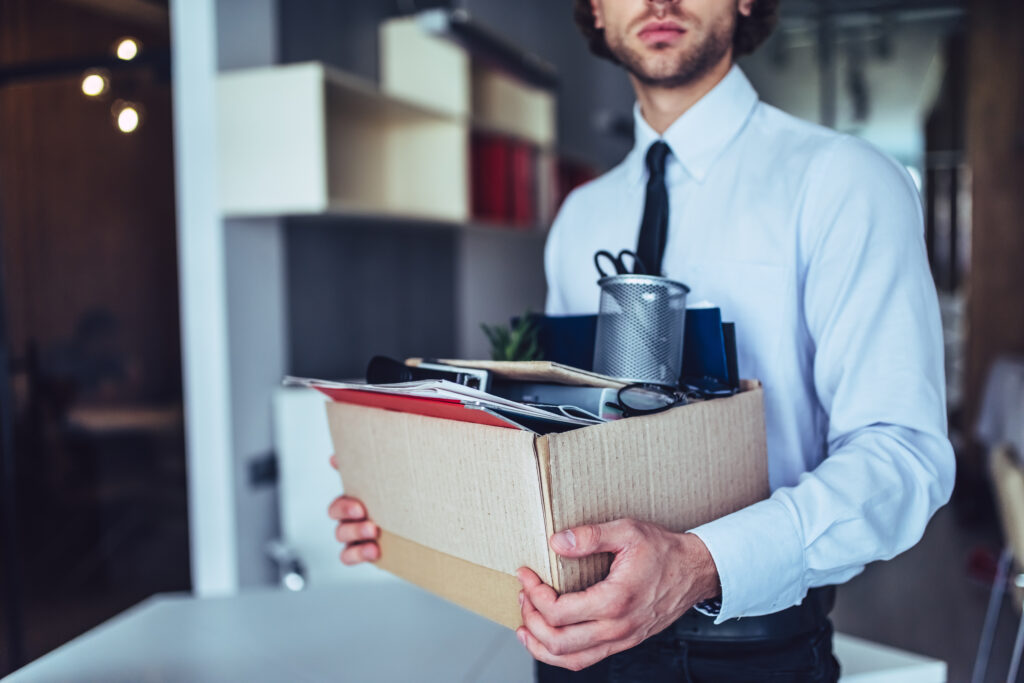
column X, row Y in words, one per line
column 669, row 657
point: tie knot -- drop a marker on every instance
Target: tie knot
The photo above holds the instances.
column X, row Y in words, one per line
column 656, row 155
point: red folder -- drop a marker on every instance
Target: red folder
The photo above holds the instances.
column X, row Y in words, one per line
column 445, row 408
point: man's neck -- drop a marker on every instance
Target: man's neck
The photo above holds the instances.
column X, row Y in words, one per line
column 662, row 106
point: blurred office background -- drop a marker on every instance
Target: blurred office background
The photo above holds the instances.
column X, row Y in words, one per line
column 146, row 288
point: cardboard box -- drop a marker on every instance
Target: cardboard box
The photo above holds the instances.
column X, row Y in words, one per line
column 461, row 506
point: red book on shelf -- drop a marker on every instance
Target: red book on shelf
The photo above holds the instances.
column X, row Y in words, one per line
column 501, row 202
column 477, row 157
column 491, row 178
column 524, row 185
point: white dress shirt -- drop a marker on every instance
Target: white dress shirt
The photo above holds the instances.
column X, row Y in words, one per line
column 811, row 242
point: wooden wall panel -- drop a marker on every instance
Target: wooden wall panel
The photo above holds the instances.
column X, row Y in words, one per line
column 88, row 212
column 995, row 144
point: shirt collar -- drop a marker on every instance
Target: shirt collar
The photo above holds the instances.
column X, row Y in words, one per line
column 698, row 136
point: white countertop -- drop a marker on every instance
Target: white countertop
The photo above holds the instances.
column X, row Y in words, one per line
column 376, row 632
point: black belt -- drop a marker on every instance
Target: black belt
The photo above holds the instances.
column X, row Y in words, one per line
column 795, row 621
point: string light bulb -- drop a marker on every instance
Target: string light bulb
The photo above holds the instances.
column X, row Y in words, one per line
column 127, row 49
column 95, row 82
column 127, row 116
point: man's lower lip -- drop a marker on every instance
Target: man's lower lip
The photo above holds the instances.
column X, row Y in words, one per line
column 660, row 36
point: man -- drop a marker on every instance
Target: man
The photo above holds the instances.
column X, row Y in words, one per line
column 811, row 242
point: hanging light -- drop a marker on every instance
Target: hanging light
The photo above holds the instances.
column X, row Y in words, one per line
column 127, row 49
column 95, row 82
column 127, row 116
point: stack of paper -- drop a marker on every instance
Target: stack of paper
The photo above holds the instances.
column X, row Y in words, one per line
column 534, row 371
column 441, row 398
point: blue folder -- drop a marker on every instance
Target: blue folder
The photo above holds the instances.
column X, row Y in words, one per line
column 704, row 345
column 709, row 346
column 567, row 339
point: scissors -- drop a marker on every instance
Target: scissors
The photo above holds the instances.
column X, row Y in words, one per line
column 618, row 262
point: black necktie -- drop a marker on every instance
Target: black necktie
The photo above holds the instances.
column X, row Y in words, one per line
column 654, row 228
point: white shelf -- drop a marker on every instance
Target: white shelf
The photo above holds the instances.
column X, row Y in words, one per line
column 350, row 213
column 504, row 104
column 307, row 139
column 419, row 67
column 424, row 68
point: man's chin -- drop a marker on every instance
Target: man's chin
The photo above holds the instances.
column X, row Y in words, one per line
column 662, row 74
column 648, row 63
column 671, row 70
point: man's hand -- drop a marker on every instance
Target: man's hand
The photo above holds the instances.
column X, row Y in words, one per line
column 655, row 577
column 354, row 528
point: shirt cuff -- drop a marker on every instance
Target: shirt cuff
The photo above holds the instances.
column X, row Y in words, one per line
column 760, row 560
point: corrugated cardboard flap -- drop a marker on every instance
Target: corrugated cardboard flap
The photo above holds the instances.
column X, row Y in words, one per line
column 680, row 469
column 482, row 590
column 544, row 466
column 471, row 492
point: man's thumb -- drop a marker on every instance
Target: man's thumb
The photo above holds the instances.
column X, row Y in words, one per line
column 581, row 541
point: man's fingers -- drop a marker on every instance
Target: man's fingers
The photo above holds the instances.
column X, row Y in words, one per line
column 537, row 590
column 539, row 593
column 354, row 529
column 600, row 601
column 574, row 662
column 351, row 532
column 336, row 510
column 528, row 578
column 545, row 599
column 346, row 509
column 355, row 553
column 567, row 640
column 612, row 537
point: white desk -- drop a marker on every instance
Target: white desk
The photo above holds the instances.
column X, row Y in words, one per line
column 382, row 632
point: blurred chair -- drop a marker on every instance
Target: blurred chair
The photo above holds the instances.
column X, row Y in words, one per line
column 1001, row 428
column 307, row 551
column 1001, row 418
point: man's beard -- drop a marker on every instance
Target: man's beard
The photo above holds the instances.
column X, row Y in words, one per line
column 690, row 65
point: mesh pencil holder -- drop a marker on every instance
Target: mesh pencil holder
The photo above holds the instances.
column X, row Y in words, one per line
column 640, row 328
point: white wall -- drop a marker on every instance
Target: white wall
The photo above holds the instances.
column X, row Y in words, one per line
column 902, row 87
column 203, row 302
column 258, row 345
column 234, row 336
